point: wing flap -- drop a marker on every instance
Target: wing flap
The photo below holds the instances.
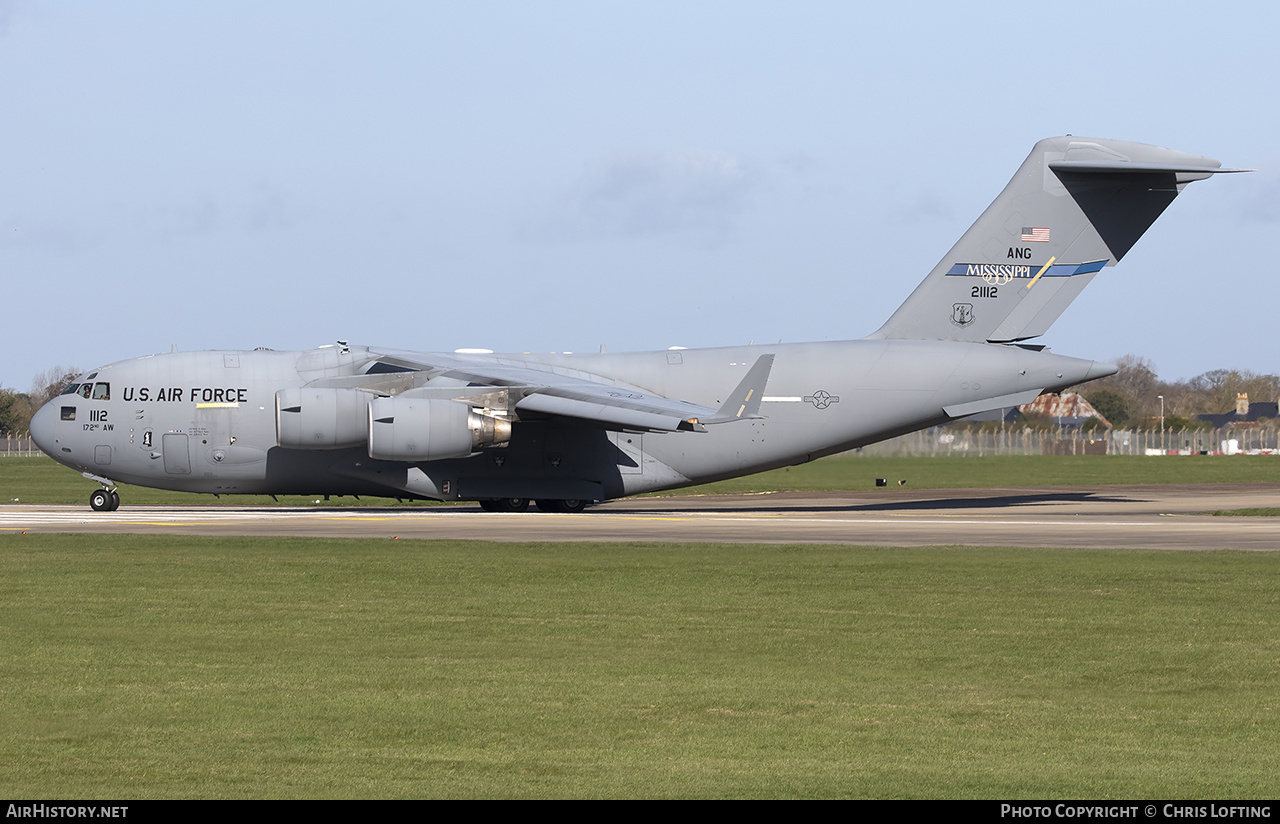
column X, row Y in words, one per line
column 671, row 416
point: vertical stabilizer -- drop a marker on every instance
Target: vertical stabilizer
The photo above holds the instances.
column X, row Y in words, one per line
column 1075, row 205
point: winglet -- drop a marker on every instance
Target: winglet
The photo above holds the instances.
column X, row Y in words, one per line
column 744, row 402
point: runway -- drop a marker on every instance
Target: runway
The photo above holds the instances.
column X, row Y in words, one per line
column 1171, row 517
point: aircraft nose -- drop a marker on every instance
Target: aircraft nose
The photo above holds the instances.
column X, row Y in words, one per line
column 43, row 428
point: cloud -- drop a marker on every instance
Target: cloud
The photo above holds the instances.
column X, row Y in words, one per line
column 699, row 194
column 45, row 233
column 927, row 205
column 198, row 215
column 1258, row 195
column 269, row 209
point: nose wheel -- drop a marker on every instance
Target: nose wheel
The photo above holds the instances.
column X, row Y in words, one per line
column 104, row 500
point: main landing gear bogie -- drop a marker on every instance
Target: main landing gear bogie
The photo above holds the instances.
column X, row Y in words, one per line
column 572, row 505
column 522, row 504
column 104, row 500
column 505, row 505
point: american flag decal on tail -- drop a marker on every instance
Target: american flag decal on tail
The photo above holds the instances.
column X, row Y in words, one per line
column 1032, row 234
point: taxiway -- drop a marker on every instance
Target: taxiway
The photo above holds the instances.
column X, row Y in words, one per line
column 1173, row 517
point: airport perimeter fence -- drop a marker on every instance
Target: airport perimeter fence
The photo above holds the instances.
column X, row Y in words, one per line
column 13, row 445
column 946, row 441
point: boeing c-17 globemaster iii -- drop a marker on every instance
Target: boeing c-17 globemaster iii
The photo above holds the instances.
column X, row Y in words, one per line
column 565, row 430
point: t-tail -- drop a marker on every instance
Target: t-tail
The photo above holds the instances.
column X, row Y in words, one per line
column 1076, row 205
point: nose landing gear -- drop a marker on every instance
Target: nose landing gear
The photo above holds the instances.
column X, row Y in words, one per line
column 104, row 500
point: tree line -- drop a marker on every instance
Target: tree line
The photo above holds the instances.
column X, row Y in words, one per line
column 1131, row 397
column 16, row 408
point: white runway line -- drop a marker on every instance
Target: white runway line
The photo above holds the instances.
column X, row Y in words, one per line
column 29, row 519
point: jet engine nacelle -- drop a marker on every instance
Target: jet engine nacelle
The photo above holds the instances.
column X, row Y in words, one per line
column 419, row 429
column 308, row 418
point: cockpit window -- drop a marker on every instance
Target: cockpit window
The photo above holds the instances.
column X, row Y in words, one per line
column 72, row 389
column 102, row 391
column 86, row 389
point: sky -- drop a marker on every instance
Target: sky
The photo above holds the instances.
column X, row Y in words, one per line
column 557, row 176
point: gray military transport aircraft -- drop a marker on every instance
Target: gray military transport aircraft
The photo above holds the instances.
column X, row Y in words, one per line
column 565, row 430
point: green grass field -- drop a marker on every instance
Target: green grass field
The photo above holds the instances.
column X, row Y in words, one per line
column 143, row 667
column 41, row 481
column 173, row 667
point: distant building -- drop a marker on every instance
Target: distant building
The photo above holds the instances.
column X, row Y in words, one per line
column 1246, row 413
column 1066, row 410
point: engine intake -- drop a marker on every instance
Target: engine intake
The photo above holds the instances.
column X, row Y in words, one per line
column 321, row 418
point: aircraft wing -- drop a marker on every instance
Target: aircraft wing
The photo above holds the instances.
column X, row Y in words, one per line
column 619, row 407
column 555, row 390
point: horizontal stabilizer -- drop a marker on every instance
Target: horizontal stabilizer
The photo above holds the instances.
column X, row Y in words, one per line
column 1197, row 172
